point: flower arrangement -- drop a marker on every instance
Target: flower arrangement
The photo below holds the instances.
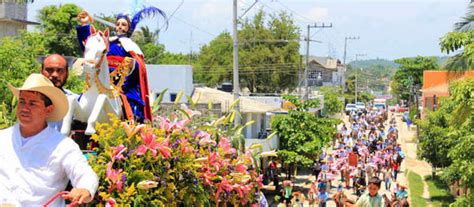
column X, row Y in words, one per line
column 173, row 164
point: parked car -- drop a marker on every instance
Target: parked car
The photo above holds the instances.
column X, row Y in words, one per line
column 402, row 109
column 349, row 108
column 392, row 108
column 360, row 106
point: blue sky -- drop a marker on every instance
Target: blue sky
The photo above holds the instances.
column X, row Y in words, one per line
column 387, row 29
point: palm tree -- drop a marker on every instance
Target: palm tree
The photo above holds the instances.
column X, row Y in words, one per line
column 461, row 40
column 148, row 36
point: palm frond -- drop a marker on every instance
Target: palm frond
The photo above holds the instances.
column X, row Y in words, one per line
column 467, row 22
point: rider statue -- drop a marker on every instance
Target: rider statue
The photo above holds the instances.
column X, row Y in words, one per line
column 125, row 59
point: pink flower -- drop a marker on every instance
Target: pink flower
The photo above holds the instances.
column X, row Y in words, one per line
column 214, row 160
column 242, row 190
column 164, row 123
column 208, row 177
column 115, row 177
column 150, row 143
column 205, row 139
column 226, row 146
column 241, row 168
column 223, row 185
column 164, row 148
column 185, row 148
column 117, row 152
column 111, row 202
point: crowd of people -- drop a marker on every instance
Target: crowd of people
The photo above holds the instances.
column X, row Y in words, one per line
column 365, row 153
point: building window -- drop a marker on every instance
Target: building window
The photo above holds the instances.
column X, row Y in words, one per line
column 173, row 96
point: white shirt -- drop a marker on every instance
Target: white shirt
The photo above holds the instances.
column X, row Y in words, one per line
column 58, row 124
column 32, row 173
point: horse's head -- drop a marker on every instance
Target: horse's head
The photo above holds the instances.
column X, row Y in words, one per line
column 96, row 47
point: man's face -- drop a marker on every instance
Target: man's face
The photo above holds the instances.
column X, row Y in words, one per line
column 121, row 27
column 31, row 109
column 373, row 189
column 55, row 69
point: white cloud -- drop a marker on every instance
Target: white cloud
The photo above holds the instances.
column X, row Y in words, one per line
column 318, row 14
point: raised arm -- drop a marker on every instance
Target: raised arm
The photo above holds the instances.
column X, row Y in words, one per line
column 83, row 30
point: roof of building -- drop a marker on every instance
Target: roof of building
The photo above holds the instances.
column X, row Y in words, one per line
column 326, row 62
column 438, row 90
column 204, row 95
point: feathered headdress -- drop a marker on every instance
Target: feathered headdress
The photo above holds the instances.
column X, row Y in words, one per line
column 140, row 15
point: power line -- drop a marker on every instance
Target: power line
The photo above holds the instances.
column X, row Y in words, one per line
column 194, row 26
column 295, row 13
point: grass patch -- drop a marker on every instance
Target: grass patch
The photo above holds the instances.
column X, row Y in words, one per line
column 439, row 191
column 415, row 184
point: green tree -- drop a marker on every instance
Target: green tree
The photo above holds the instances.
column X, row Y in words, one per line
column 446, row 138
column 268, row 55
column 215, row 61
column 332, row 104
column 58, row 27
column 460, row 41
column 17, row 61
column 302, row 134
column 410, row 74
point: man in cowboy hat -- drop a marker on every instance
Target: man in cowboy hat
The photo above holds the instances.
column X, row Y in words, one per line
column 38, row 161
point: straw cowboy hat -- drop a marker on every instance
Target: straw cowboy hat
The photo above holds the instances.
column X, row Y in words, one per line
column 39, row 83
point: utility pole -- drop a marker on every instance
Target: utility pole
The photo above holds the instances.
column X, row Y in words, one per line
column 306, row 96
column 356, row 74
column 345, row 46
column 235, row 71
column 236, row 90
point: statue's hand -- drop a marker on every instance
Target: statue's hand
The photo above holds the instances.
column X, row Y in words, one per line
column 84, row 18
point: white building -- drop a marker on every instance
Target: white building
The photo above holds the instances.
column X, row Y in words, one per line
column 175, row 78
column 12, row 18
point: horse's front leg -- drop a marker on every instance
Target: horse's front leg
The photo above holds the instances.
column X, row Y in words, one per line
column 96, row 112
column 67, row 120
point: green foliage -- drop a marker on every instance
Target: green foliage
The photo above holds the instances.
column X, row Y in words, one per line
column 268, row 55
column 74, row 83
column 410, row 73
column 332, row 104
column 376, row 73
column 461, row 41
column 302, row 134
column 447, row 137
column 58, row 28
column 215, row 61
column 193, row 165
column 17, row 61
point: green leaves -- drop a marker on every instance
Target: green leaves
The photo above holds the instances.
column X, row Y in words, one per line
column 268, row 55
column 446, row 136
column 410, row 73
column 302, row 134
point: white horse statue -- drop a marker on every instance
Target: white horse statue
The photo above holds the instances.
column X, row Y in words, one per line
column 100, row 96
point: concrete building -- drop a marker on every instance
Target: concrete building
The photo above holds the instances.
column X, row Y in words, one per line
column 325, row 71
column 175, row 78
column 13, row 18
column 436, row 84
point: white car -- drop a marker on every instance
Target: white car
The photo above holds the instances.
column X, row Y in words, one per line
column 349, row 108
column 360, row 106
